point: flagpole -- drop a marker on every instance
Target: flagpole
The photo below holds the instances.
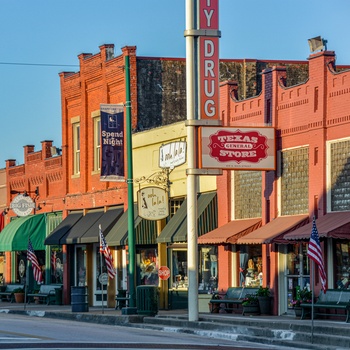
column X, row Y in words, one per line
column 100, row 229
column 312, row 299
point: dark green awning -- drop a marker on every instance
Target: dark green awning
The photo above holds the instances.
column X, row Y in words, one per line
column 176, row 229
column 15, row 235
column 145, row 230
column 62, row 229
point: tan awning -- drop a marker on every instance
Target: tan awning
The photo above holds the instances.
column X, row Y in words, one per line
column 274, row 229
column 335, row 225
column 230, row 232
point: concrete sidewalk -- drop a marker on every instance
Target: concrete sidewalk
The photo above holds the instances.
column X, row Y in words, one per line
column 275, row 330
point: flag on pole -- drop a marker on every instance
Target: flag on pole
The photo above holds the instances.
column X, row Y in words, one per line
column 314, row 252
column 38, row 275
column 53, row 261
column 104, row 249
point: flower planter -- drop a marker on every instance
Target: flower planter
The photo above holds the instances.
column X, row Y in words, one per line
column 297, row 310
column 251, row 310
column 265, row 305
column 19, row 297
column 214, row 308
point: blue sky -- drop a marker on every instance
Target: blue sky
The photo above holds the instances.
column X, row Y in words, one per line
column 41, row 38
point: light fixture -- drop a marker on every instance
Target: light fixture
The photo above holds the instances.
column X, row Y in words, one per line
column 317, row 44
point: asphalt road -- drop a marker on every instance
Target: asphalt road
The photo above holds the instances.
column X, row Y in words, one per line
column 30, row 332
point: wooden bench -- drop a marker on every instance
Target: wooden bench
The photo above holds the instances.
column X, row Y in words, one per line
column 46, row 293
column 233, row 298
column 7, row 292
column 333, row 299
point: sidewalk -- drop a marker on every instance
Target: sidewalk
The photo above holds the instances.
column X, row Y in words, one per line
column 275, row 330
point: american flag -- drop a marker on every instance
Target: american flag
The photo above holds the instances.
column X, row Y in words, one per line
column 53, row 261
column 38, row 275
column 314, row 252
column 104, row 249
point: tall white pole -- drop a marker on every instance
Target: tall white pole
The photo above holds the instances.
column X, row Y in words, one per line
column 192, row 110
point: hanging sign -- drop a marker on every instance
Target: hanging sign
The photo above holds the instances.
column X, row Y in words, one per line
column 172, row 154
column 153, row 203
column 22, row 205
column 238, row 148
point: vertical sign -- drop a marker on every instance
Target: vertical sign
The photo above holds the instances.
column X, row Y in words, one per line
column 112, row 142
column 209, row 60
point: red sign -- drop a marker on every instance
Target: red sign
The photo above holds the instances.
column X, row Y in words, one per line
column 164, row 272
column 209, row 60
column 237, row 148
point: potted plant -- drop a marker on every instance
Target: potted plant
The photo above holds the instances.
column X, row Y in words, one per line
column 303, row 296
column 19, row 295
column 250, row 305
column 263, row 295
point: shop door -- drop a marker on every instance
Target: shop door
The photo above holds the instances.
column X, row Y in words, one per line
column 99, row 267
column 298, row 272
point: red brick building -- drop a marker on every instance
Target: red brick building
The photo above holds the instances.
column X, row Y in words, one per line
column 312, row 177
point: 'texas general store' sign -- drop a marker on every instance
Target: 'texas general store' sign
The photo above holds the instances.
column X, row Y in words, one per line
column 237, row 148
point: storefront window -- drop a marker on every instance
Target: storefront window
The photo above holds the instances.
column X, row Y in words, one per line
column 81, row 264
column 179, row 269
column 251, row 265
column 208, row 269
column 147, row 266
column 342, row 265
column 56, row 265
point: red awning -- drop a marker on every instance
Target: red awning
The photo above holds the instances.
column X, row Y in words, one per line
column 273, row 230
column 335, row 225
column 230, row 232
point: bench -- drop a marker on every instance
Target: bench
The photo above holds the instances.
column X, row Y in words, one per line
column 232, row 299
column 6, row 293
column 333, row 299
column 46, row 293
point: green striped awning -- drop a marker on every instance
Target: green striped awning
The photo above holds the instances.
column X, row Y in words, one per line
column 15, row 235
column 176, row 229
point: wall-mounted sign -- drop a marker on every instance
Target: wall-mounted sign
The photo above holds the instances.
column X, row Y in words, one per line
column 164, row 273
column 237, row 148
column 153, row 203
column 172, row 154
column 209, row 60
column 22, row 205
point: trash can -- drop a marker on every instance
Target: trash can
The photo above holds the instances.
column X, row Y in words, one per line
column 58, row 296
column 147, row 300
column 79, row 299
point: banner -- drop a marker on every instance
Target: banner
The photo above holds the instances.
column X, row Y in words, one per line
column 112, row 142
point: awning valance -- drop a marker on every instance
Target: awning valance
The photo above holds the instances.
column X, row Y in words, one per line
column 145, row 230
column 15, row 235
column 230, row 232
column 274, row 229
column 176, row 229
column 335, row 225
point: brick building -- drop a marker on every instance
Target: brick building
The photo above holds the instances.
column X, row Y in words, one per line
column 312, row 123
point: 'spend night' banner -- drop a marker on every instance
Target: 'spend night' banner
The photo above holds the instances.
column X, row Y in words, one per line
column 112, row 142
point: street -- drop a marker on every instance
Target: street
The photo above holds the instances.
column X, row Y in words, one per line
column 31, row 332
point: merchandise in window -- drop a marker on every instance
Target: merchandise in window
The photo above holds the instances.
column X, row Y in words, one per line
column 147, row 264
column 342, row 265
column 250, row 265
column 208, row 269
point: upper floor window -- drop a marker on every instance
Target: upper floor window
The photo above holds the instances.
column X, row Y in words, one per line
column 97, row 143
column 76, row 148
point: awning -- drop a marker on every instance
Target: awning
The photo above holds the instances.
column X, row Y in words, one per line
column 62, row 229
column 15, row 235
column 176, row 229
column 273, row 230
column 335, row 225
column 230, row 232
column 145, row 230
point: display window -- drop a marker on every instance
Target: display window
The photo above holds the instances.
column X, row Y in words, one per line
column 250, row 265
column 81, row 264
column 56, row 261
column 179, row 274
column 208, row 269
column 147, row 266
column 342, row 265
